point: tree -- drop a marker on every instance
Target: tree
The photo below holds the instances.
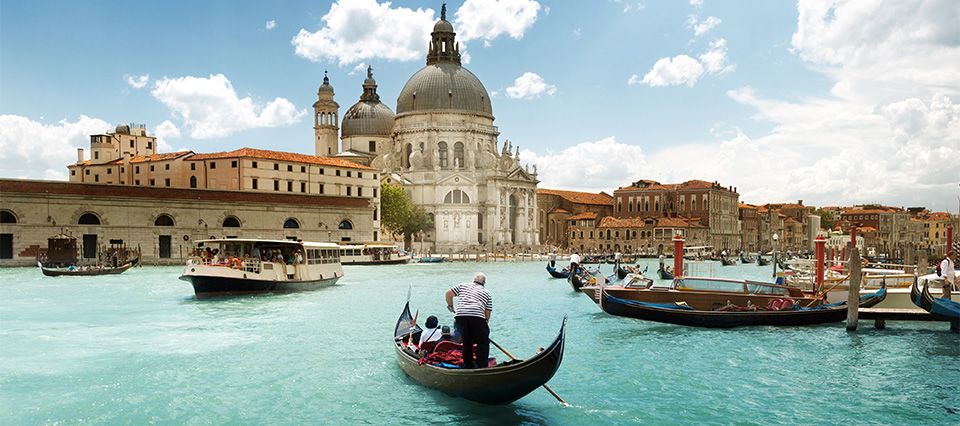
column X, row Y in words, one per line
column 826, row 219
column 399, row 216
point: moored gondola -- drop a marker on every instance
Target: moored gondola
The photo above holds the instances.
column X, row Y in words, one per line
column 499, row 384
column 940, row 308
column 557, row 274
column 681, row 314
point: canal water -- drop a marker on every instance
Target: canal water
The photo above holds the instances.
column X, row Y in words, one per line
column 138, row 348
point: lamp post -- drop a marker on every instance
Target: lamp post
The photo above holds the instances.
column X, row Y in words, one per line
column 775, row 239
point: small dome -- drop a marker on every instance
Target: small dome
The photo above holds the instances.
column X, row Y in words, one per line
column 123, row 129
column 442, row 26
column 366, row 118
column 325, row 87
column 444, row 86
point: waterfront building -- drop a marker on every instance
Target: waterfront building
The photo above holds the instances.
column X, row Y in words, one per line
column 897, row 231
column 750, row 236
column 557, row 208
column 714, row 206
column 934, row 230
column 164, row 222
column 649, row 236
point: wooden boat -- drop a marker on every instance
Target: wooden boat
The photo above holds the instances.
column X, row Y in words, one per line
column 500, row 384
column 575, row 280
column 743, row 259
column 726, row 261
column 944, row 309
column 255, row 266
column 712, row 293
column 664, row 274
column 762, row 262
column 558, row 274
column 372, row 254
column 682, row 314
column 631, row 281
column 621, row 273
column 430, row 259
column 85, row 271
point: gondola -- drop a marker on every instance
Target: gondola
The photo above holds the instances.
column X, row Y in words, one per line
column 681, row 314
column 621, row 273
column 664, row 274
column 65, row 272
column 575, row 280
column 743, row 259
column 500, row 384
column 940, row 308
column 557, row 274
column 762, row 262
column 725, row 261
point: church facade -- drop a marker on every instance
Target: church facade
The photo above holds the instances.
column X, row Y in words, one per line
column 443, row 146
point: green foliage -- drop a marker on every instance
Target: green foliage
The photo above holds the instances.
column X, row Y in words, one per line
column 398, row 215
column 826, row 219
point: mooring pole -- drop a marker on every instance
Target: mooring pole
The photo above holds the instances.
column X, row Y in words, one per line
column 677, row 256
column 819, row 248
column 853, row 298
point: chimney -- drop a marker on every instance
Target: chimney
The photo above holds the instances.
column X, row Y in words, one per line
column 800, row 202
column 79, row 155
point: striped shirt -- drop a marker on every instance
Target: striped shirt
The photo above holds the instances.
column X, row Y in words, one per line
column 472, row 300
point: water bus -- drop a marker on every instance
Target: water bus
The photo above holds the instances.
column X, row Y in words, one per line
column 372, row 254
column 236, row 266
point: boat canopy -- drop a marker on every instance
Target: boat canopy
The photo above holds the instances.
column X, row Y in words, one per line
column 270, row 242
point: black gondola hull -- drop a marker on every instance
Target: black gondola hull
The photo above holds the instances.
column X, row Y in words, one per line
column 557, row 274
column 575, row 282
column 207, row 286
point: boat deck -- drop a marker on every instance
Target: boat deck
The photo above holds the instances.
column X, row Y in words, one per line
column 880, row 316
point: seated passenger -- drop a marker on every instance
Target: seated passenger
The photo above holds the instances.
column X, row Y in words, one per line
column 430, row 335
column 445, row 334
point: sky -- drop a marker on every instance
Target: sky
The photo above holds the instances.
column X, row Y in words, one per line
column 826, row 101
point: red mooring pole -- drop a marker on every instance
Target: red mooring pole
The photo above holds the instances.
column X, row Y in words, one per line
column 820, row 245
column 677, row 256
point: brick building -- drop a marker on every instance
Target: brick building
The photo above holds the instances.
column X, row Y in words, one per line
column 650, row 236
column 556, row 209
column 713, row 206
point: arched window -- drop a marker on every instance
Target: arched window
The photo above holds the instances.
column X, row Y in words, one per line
column 345, row 225
column 163, row 220
column 193, row 181
column 6, row 216
column 291, row 224
column 231, row 222
column 456, row 197
column 458, row 155
column 407, row 152
column 89, row 219
column 442, row 148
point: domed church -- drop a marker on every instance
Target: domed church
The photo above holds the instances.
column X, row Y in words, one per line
column 441, row 145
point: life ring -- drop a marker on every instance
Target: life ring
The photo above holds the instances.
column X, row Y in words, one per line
column 235, row 263
column 186, row 238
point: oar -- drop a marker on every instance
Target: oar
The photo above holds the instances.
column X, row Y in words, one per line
column 824, row 293
column 565, row 404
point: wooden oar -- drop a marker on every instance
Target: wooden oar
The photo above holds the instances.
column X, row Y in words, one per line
column 824, row 293
column 565, row 404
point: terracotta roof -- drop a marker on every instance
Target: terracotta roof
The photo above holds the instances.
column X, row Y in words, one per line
column 584, row 215
column 937, row 216
column 747, row 206
column 280, row 156
column 867, row 211
column 154, row 157
column 791, row 220
column 652, row 185
column 576, row 197
column 558, row 210
column 785, row 206
column 867, row 229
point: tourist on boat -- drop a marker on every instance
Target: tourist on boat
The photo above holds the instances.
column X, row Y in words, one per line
column 430, row 335
column 298, row 258
column 255, row 253
column 471, row 315
column 948, row 272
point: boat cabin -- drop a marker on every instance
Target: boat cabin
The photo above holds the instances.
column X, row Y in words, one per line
column 371, row 254
column 270, row 259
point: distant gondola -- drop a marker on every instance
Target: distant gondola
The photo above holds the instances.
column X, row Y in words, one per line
column 762, row 262
column 664, row 274
column 89, row 272
column 743, row 259
column 726, row 261
column 557, row 274
column 938, row 307
column 575, row 281
column 685, row 315
column 621, row 273
column 500, row 384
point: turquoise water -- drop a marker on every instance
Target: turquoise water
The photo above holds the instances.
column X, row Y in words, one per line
column 138, row 348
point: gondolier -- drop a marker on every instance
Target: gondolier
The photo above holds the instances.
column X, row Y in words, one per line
column 948, row 271
column 471, row 314
column 574, row 263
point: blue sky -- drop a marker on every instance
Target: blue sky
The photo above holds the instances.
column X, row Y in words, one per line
column 825, row 101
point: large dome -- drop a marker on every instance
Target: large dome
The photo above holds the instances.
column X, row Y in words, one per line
column 367, row 119
column 444, row 86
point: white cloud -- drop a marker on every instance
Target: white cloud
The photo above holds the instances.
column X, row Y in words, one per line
column 137, row 81
column 360, row 30
column 684, row 70
column 577, row 32
column 271, row 24
column 489, row 19
column 530, row 86
column 701, row 27
column 167, row 129
column 359, row 68
column 680, row 69
column 600, row 165
column 628, row 6
column 34, row 150
column 696, row 3
column 210, row 107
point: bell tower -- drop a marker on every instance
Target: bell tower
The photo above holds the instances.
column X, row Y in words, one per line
column 325, row 119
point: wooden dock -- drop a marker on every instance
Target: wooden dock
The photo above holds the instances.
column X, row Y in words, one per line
column 880, row 316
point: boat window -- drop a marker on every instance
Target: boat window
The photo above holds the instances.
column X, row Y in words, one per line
column 710, row 285
column 763, row 288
